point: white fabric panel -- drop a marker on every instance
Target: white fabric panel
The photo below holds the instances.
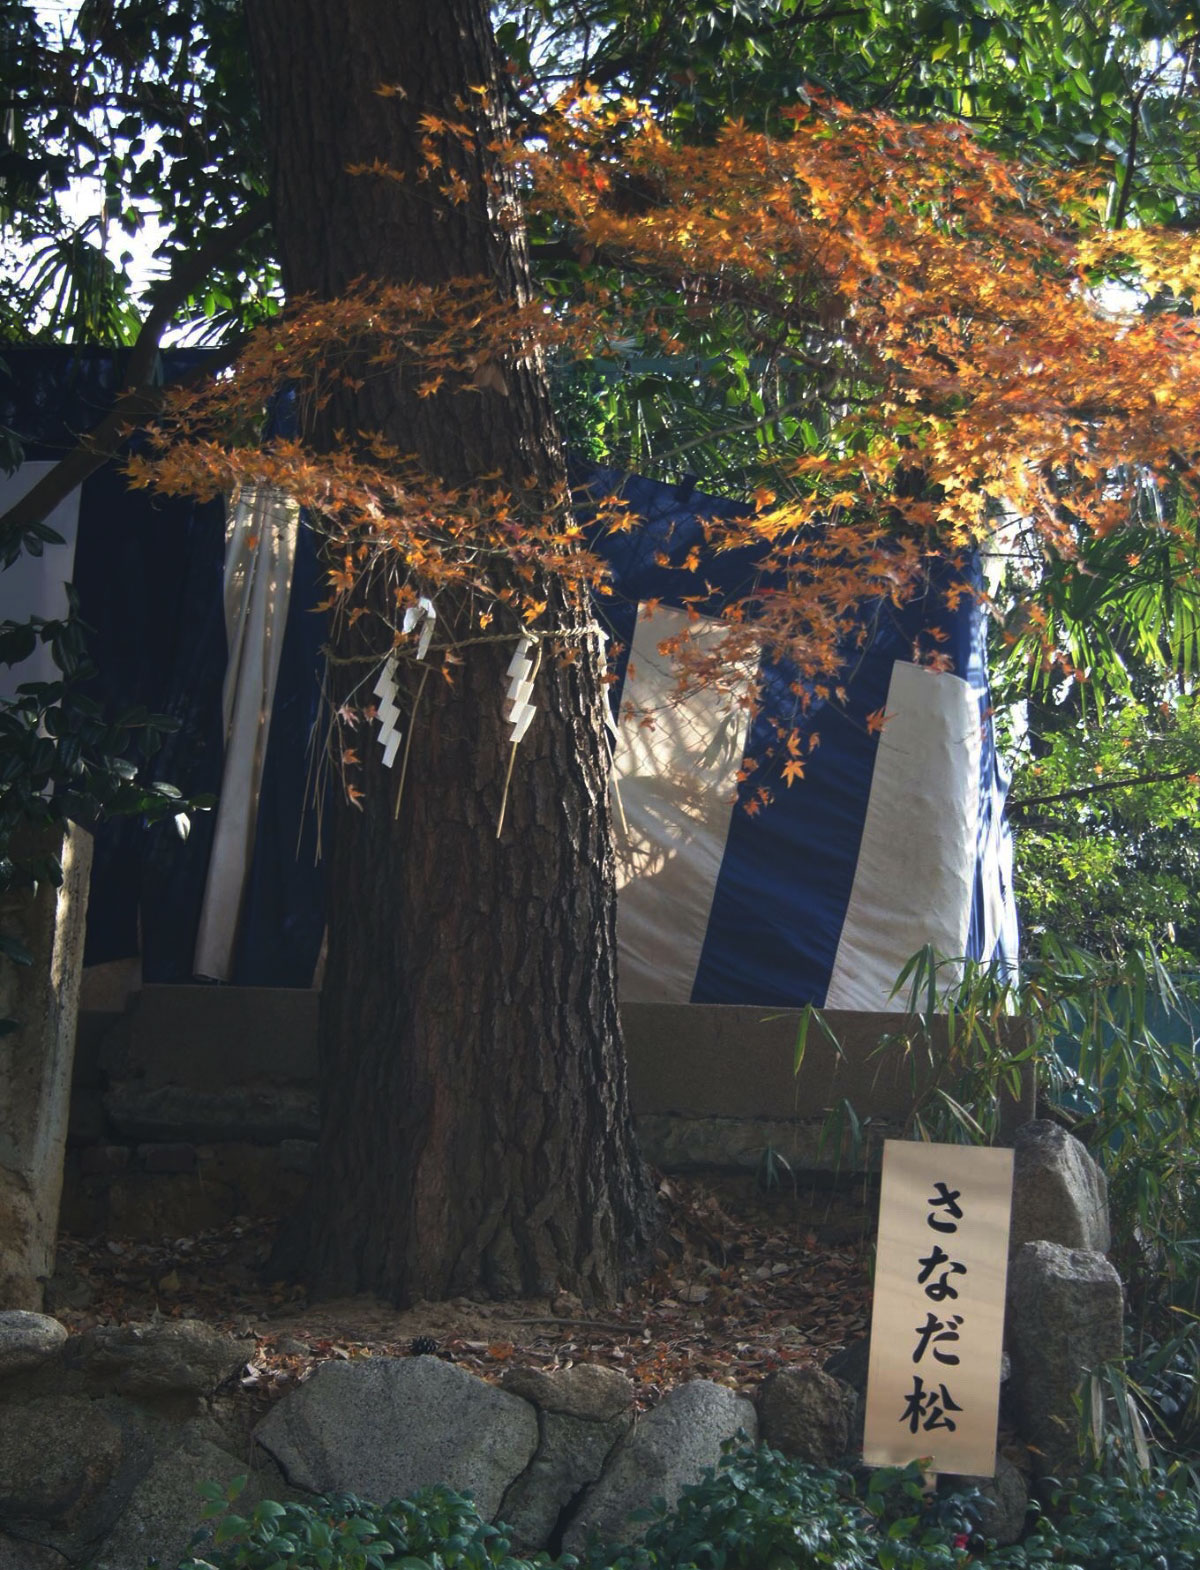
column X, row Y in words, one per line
column 36, row 585
column 260, row 554
column 675, row 781
column 996, row 880
column 1008, row 933
column 916, row 864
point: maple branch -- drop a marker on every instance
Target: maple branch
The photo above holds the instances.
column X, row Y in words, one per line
column 1120, row 783
column 138, row 398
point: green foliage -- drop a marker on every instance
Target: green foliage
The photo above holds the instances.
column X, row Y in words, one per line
column 1114, row 608
column 62, row 759
column 1104, row 811
column 129, row 111
column 1109, row 1523
column 435, row 1530
column 1111, row 86
column 757, row 1511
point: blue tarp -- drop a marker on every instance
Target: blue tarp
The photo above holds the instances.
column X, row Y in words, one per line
column 149, row 575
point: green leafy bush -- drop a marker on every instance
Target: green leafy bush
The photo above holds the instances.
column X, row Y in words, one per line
column 758, row 1511
column 1109, row 1523
column 435, row 1530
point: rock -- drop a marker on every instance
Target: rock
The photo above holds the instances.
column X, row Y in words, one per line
column 66, row 1288
column 850, row 1365
column 297, row 1155
column 667, row 1449
column 180, row 1113
column 164, row 1510
column 67, row 1467
column 27, row 1340
column 571, row 1454
column 169, row 1157
column 587, row 1390
column 1060, row 1195
column 1065, row 1316
column 18, row 1555
column 180, row 1357
column 385, row 1427
column 807, row 1414
column 1004, row 1502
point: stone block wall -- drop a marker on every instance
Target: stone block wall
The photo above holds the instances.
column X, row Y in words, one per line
column 199, row 1103
column 40, row 998
column 194, row 1105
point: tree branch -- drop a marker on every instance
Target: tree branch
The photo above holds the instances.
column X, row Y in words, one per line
column 1121, row 782
column 1122, row 207
column 138, row 398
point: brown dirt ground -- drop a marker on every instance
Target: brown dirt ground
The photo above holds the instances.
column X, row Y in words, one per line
column 743, row 1282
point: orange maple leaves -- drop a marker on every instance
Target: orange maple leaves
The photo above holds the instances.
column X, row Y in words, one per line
column 939, row 301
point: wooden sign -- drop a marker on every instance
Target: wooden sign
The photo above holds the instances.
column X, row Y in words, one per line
column 937, row 1325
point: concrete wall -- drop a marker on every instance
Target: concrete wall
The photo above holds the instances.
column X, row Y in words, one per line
column 198, row 1103
column 36, row 1058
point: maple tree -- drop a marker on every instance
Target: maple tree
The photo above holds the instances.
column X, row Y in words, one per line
column 934, row 306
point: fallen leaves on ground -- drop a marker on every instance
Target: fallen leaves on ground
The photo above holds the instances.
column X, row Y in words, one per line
column 743, row 1283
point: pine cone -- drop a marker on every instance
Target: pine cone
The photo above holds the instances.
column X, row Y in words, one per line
column 423, row 1346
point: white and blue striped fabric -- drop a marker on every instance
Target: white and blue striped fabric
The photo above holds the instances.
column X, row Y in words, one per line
column 892, row 839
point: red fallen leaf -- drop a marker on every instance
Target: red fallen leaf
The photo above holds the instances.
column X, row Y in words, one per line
column 501, row 1350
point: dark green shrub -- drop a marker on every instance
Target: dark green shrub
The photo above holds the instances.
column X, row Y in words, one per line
column 758, row 1511
column 1109, row 1523
column 437, row 1529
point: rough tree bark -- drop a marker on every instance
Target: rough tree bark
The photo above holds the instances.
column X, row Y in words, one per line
column 475, row 1124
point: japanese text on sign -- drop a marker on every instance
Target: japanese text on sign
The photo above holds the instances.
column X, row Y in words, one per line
column 933, row 1389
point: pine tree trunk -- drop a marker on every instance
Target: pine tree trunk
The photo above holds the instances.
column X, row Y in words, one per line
column 475, row 1124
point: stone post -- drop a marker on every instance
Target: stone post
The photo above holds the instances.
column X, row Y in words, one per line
column 36, row 1060
column 1065, row 1319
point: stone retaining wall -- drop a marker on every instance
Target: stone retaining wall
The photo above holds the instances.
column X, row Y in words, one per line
column 199, row 1103
column 106, row 1436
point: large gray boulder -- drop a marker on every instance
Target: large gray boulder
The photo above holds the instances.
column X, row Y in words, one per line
column 67, row 1468
column 582, row 1412
column 164, row 1510
column 384, row 1427
column 1060, row 1195
column 1003, row 1502
column 27, row 1340
column 586, row 1390
column 1065, row 1317
column 179, row 1357
column 807, row 1414
column 16, row 1555
column 667, row 1449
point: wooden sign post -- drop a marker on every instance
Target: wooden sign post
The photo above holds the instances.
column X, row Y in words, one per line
column 937, row 1325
